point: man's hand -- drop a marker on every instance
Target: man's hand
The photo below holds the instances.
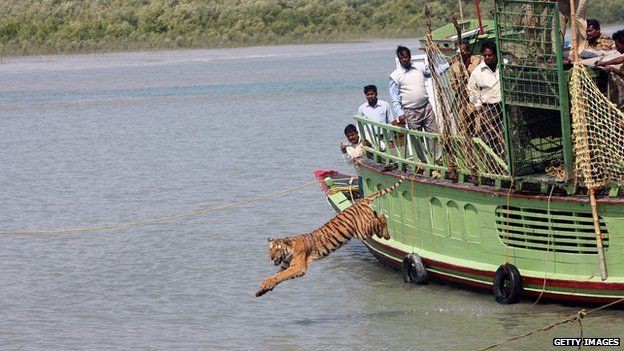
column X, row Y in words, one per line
column 401, row 118
column 343, row 148
column 366, row 143
column 478, row 109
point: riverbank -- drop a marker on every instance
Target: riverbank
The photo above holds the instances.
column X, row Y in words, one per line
column 161, row 57
column 9, row 53
column 31, row 27
column 90, row 47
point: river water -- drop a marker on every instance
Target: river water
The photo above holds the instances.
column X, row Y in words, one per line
column 115, row 138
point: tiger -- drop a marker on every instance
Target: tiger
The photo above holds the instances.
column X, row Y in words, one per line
column 294, row 253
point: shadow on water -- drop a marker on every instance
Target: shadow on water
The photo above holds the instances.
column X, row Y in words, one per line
column 355, row 317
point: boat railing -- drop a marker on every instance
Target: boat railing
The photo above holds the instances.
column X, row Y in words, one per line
column 424, row 152
column 393, row 144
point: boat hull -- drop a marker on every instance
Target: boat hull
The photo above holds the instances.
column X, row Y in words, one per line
column 483, row 280
column 464, row 233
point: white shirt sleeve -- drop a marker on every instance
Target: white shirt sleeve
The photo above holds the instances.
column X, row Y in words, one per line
column 473, row 90
column 360, row 112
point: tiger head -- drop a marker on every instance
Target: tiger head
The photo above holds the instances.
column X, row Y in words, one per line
column 280, row 251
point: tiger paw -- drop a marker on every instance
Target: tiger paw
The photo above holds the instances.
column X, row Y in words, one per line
column 263, row 290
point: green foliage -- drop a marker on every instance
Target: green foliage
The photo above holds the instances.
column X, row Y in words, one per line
column 66, row 26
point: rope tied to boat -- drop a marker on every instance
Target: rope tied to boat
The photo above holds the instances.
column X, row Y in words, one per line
column 508, row 221
column 573, row 318
column 413, row 200
column 577, row 317
column 164, row 218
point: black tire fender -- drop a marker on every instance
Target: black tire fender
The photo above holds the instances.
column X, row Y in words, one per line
column 413, row 270
column 507, row 284
column 405, row 267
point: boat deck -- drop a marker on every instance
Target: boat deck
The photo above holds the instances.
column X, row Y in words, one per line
column 518, row 190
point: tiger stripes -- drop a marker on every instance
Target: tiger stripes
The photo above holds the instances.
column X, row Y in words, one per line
column 296, row 252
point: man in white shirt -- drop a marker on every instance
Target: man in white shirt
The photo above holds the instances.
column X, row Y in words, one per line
column 484, row 83
column 410, row 99
column 409, row 95
column 354, row 150
column 374, row 109
column 485, row 94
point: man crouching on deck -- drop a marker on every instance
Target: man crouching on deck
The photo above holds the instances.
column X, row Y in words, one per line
column 354, row 149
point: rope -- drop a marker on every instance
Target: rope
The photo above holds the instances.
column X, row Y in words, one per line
column 571, row 319
column 351, row 189
column 581, row 331
column 605, row 306
column 472, row 142
column 551, row 235
column 597, row 131
column 161, row 219
column 340, row 189
column 414, row 215
column 511, row 185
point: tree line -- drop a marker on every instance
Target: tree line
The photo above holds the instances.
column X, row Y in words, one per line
column 30, row 27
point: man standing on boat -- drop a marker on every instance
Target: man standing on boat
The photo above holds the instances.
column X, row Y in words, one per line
column 595, row 39
column 409, row 96
column 374, row 109
column 485, row 94
column 615, row 69
column 483, row 85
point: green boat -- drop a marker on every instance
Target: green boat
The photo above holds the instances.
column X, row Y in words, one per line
column 515, row 216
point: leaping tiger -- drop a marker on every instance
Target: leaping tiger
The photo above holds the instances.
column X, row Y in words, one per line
column 295, row 253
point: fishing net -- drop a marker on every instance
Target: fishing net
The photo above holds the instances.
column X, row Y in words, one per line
column 598, row 132
column 473, row 139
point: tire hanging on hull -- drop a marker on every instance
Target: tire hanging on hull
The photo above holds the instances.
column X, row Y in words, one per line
column 413, row 270
column 507, row 285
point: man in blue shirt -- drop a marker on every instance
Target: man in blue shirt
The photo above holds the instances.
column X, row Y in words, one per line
column 375, row 109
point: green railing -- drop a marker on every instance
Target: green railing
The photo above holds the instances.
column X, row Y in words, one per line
column 415, row 151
